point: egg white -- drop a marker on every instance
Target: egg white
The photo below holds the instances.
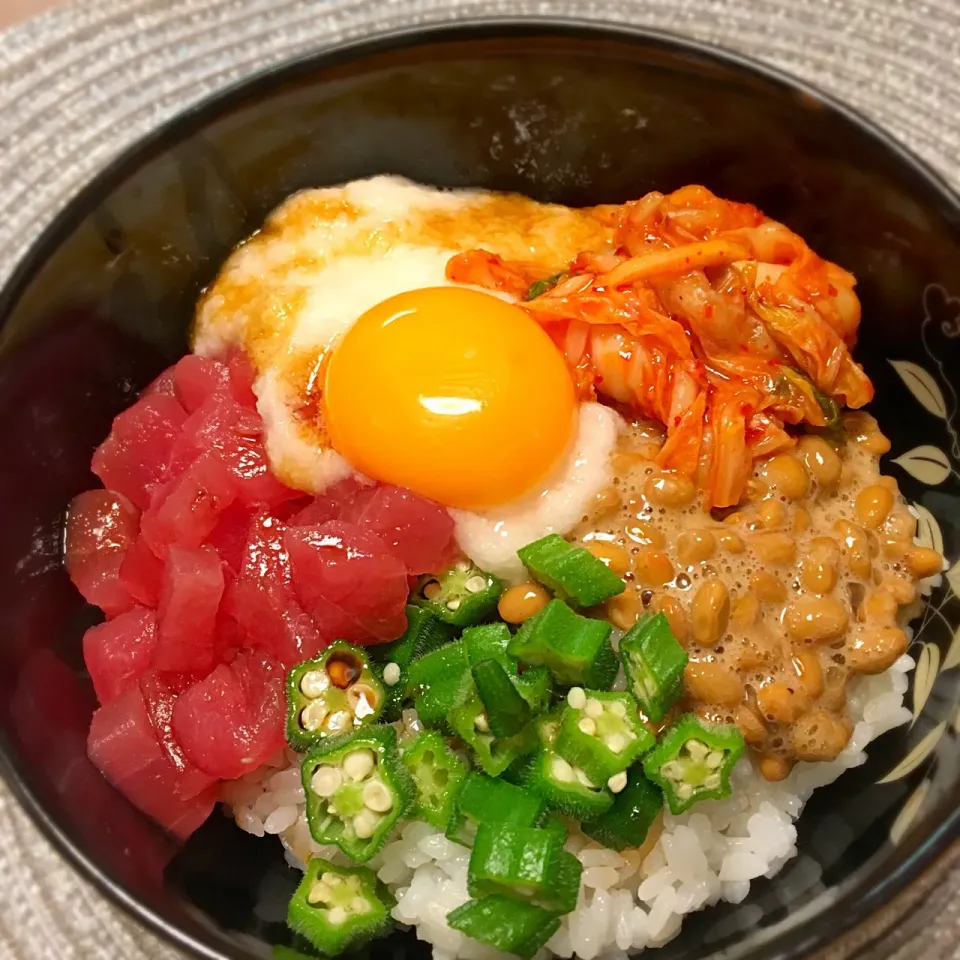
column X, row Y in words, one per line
column 327, row 256
column 492, row 538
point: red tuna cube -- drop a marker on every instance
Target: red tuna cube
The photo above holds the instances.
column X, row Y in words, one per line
column 332, row 504
column 101, row 526
column 347, row 579
column 133, row 459
column 189, row 600
column 262, row 600
column 196, row 378
column 117, row 653
column 141, row 573
column 417, row 530
column 160, row 695
column 235, row 432
column 123, row 746
column 233, row 721
column 187, row 509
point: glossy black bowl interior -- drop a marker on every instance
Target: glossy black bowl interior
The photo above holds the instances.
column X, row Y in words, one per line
column 562, row 112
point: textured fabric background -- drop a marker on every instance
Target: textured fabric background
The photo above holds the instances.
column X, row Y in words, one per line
column 82, row 82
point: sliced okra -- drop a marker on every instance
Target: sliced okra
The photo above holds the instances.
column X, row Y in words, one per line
column 525, row 862
column 482, row 799
column 635, row 809
column 491, row 642
column 507, row 712
column 601, row 733
column 357, row 788
column 571, row 572
column 564, row 787
column 437, row 774
column 488, row 642
column 438, row 681
column 425, row 633
column 693, row 760
column 462, row 595
column 336, row 907
column 575, row 649
column 653, row 662
column 507, row 924
column 332, row 694
column 493, row 754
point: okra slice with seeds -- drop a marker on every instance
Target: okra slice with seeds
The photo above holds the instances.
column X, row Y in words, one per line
column 601, row 733
column 653, row 662
column 570, row 571
column 437, row 774
column 357, row 788
column 391, row 661
column 634, row 811
column 462, row 595
column 507, row 924
column 493, row 754
column 332, row 694
column 524, row 862
column 336, row 907
column 693, row 760
column 483, row 799
column 575, row 649
column 564, row 787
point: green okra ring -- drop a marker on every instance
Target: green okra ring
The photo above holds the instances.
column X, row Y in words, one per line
column 356, row 790
column 332, row 694
column 693, row 761
column 334, row 906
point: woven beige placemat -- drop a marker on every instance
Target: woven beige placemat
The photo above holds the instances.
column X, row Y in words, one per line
column 79, row 84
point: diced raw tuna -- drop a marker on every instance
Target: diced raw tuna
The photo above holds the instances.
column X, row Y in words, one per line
column 186, row 509
column 163, row 384
column 417, row 530
column 262, row 602
column 141, row 573
column 196, row 378
column 160, row 696
column 117, row 653
column 332, row 503
column 192, row 587
column 235, row 432
column 233, row 720
column 231, row 636
column 349, row 581
column 101, row 526
column 229, row 536
column 134, row 458
column 241, row 380
column 124, row 748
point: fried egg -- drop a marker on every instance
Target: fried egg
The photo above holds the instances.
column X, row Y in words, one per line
column 370, row 360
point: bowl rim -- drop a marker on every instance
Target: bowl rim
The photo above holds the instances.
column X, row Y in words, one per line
column 853, row 906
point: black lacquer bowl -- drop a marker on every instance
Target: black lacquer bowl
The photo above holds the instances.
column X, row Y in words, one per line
column 561, row 111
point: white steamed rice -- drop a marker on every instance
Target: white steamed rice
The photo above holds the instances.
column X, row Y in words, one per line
column 627, row 902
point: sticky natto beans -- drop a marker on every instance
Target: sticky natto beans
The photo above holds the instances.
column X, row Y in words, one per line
column 779, row 599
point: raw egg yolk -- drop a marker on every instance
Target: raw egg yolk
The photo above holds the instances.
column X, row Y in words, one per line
column 452, row 393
